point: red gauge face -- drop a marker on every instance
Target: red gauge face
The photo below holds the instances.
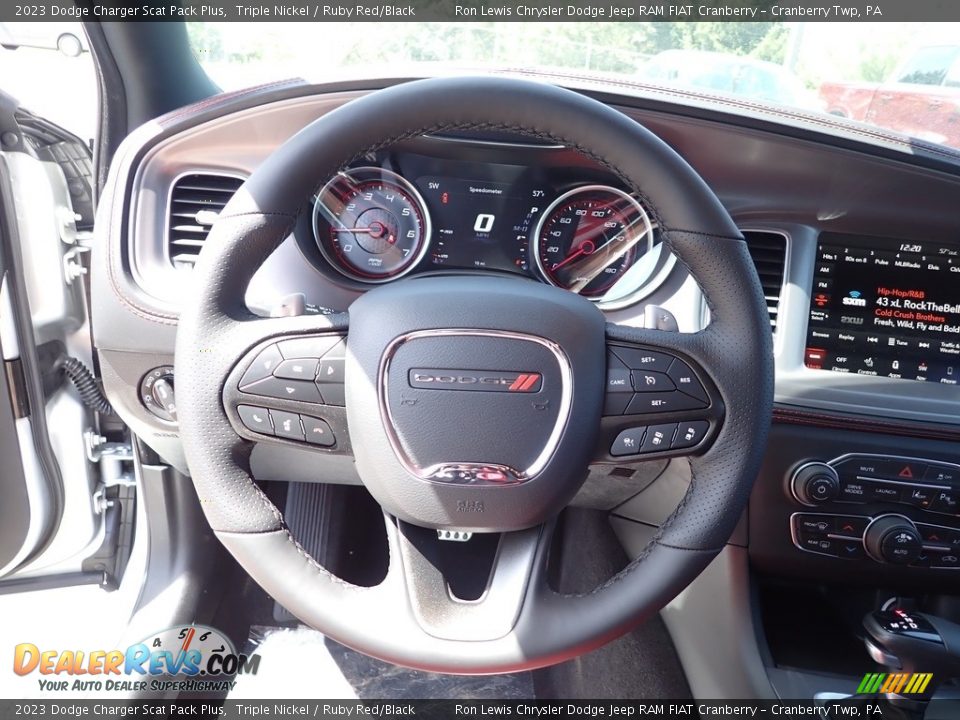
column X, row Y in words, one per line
column 370, row 229
column 589, row 238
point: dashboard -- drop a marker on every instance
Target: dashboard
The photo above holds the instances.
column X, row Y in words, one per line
column 856, row 243
column 448, row 204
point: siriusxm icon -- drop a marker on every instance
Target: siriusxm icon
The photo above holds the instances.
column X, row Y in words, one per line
column 855, row 298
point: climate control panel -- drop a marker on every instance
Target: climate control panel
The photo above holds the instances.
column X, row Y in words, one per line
column 888, row 538
column 896, row 494
column 929, row 485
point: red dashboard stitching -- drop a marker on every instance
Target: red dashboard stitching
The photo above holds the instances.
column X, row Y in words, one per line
column 860, row 424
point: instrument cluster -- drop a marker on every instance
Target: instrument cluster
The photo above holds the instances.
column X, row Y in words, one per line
column 540, row 211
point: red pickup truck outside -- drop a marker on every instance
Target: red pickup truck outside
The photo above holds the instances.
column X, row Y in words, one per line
column 921, row 99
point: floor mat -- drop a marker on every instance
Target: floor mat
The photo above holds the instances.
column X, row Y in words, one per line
column 297, row 663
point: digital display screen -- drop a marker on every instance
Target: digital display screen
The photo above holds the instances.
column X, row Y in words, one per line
column 483, row 214
column 479, row 223
column 885, row 308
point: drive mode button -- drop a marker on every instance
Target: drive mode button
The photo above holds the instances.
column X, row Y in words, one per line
column 857, row 491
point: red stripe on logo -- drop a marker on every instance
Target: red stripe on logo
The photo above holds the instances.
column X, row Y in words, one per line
column 531, row 381
column 518, row 383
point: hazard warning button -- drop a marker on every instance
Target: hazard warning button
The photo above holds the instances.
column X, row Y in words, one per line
column 902, row 470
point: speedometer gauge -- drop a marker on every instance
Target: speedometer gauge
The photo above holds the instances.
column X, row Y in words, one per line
column 589, row 238
column 371, row 224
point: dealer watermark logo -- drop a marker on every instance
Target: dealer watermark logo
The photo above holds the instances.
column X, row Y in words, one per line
column 894, row 683
column 193, row 658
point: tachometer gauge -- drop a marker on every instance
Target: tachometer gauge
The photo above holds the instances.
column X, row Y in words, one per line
column 371, row 224
column 590, row 238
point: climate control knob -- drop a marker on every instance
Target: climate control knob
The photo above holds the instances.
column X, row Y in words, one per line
column 815, row 483
column 893, row 539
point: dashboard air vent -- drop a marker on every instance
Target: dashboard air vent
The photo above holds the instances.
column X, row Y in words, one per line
column 769, row 253
column 195, row 202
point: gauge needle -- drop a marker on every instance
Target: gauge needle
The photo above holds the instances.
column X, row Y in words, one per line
column 584, row 248
column 375, row 229
column 596, row 265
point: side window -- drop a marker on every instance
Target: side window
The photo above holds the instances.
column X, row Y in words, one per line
column 928, row 66
column 953, row 76
column 47, row 67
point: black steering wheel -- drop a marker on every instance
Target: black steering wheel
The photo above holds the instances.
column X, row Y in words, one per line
column 450, row 457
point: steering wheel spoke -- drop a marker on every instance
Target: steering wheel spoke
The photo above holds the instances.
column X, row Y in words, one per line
column 288, row 387
column 471, row 587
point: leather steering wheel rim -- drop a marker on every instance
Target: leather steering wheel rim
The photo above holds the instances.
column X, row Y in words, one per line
column 735, row 350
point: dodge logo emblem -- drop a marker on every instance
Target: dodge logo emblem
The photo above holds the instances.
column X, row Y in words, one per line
column 476, row 380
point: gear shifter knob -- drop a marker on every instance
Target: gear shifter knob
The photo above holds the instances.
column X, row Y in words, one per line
column 912, row 642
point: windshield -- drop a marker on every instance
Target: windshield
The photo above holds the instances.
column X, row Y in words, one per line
column 899, row 76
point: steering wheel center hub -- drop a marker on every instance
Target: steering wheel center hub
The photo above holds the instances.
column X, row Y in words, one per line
column 455, row 402
column 455, row 399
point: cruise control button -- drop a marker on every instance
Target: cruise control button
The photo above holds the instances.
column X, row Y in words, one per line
column 690, row 433
column 301, row 390
column 661, row 402
column 333, row 394
column 628, row 442
column 302, row 369
column 618, row 381
column 331, row 371
column 639, row 359
column 287, row 425
column 309, row 347
column 658, row 438
column 318, row 431
column 645, row 381
column 263, row 367
column 686, row 381
column 255, row 419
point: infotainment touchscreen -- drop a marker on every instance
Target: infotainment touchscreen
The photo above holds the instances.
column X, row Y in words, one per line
column 885, row 307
